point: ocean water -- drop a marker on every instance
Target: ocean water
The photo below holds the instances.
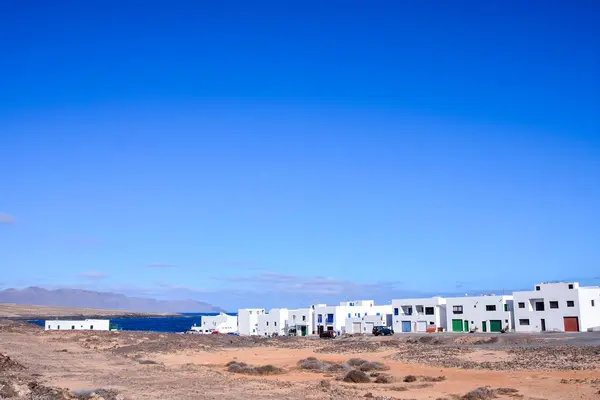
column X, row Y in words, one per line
column 179, row 323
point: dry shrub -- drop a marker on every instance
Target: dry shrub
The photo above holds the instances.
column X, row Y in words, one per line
column 147, row 362
column 315, row 365
column 106, row 394
column 356, row 362
column 384, row 378
column 410, row 378
column 481, row 393
column 433, row 378
column 243, row 368
column 355, row 376
column 373, row 366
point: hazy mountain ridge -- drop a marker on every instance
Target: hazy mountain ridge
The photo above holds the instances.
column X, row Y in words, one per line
column 101, row 300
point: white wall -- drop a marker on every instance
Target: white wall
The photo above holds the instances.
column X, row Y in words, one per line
column 297, row 318
column 78, row 325
column 272, row 322
column 358, row 309
column 475, row 311
column 590, row 314
column 223, row 323
column 418, row 313
column 248, row 320
column 366, row 323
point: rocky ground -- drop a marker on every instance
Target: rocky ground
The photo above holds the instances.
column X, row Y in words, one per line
column 137, row 365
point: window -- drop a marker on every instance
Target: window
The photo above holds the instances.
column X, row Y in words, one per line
column 539, row 306
column 320, row 318
column 349, row 315
column 249, row 312
column 490, row 307
column 275, row 323
column 537, row 288
column 72, row 326
column 457, row 309
column 570, row 286
column 523, row 322
column 92, row 327
column 330, row 318
column 593, row 303
column 378, row 314
column 304, row 318
column 267, row 323
column 419, row 309
column 506, row 307
column 521, row 305
column 58, row 326
column 570, row 303
column 429, row 311
column 554, row 304
column 358, row 315
column 395, row 311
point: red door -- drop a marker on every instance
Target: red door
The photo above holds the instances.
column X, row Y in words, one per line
column 571, row 324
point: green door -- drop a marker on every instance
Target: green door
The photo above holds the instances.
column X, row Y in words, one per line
column 484, row 326
column 495, row 325
column 457, row 325
column 466, row 326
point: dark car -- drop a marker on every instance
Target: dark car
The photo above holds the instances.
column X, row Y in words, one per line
column 327, row 334
column 382, row 330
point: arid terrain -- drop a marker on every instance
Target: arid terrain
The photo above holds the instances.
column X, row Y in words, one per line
column 136, row 365
column 19, row 311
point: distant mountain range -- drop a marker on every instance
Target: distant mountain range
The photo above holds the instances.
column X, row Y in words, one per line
column 100, row 300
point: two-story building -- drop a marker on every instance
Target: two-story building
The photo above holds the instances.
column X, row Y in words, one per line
column 485, row 313
column 248, row 320
column 560, row 306
column 334, row 317
column 419, row 315
column 299, row 321
column 375, row 316
column 273, row 322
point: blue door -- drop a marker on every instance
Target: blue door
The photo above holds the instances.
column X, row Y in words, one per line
column 406, row 326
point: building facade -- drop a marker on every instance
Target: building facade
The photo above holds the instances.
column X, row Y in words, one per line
column 248, row 320
column 222, row 323
column 486, row 313
column 78, row 325
column 561, row 306
column 419, row 315
column 273, row 322
column 334, row 317
column 299, row 322
column 366, row 323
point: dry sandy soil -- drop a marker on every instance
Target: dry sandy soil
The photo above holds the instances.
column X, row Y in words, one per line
column 32, row 312
column 138, row 365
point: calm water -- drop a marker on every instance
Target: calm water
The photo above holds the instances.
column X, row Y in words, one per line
column 180, row 323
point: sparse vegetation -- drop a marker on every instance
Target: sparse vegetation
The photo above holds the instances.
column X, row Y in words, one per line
column 356, row 376
column 313, row 364
column 410, row 378
column 246, row 369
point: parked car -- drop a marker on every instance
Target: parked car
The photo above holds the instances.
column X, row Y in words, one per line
column 214, row 333
column 382, row 330
column 327, row 334
column 233, row 334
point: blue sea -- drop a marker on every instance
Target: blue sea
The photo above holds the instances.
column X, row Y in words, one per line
column 179, row 323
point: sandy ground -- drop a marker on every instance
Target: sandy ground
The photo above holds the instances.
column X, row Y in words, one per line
column 169, row 366
column 8, row 310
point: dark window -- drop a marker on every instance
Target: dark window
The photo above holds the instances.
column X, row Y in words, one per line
column 58, row 327
column 275, row 323
column 304, row 318
column 92, row 327
column 72, row 326
column 539, row 306
column 490, row 308
column 320, row 318
column 457, row 309
column 429, row 311
column 570, row 303
column 523, row 322
column 570, row 286
column 267, row 323
column 330, row 318
column 395, row 311
column 349, row 315
column 506, row 307
column 554, row 304
column 521, row 305
column 593, row 303
column 537, row 288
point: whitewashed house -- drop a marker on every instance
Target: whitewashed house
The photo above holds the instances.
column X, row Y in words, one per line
column 248, row 320
column 334, row 317
column 562, row 306
column 300, row 321
column 486, row 313
column 222, row 323
column 375, row 316
column 419, row 315
column 78, row 325
column 273, row 322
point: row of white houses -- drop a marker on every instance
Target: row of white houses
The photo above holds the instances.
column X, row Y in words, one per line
column 563, row 306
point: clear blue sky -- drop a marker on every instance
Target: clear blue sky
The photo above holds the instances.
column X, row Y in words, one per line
column 280, row 153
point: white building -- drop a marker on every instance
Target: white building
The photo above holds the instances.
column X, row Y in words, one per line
column 273, row 322
column 563, row 306
column 366, row 323
column 78, row 325
column 248, row 320
column 222, row 323
column 486, row 313
column 419, row 315
column 334, row 317
column 300, row 321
